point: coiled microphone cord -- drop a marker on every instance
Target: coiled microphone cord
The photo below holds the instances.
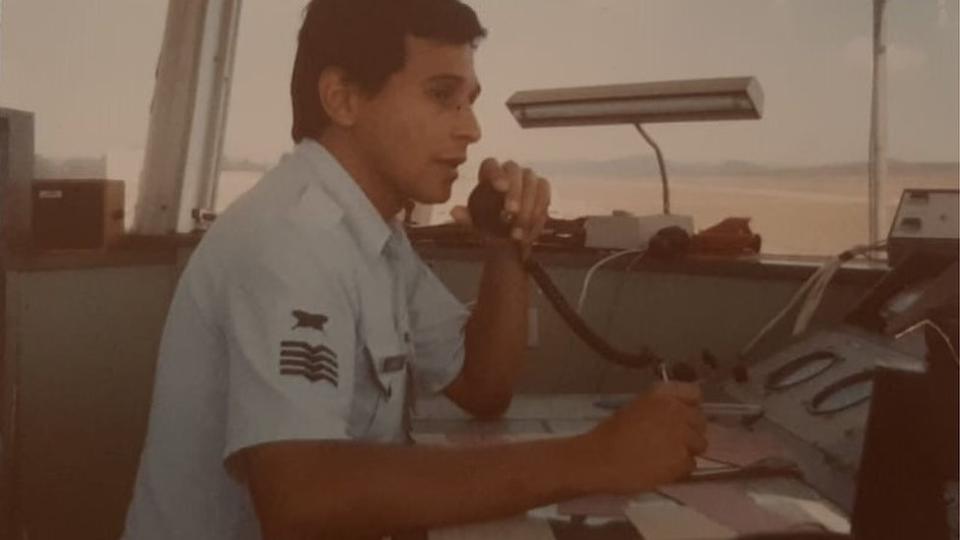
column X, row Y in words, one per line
column 486, row 211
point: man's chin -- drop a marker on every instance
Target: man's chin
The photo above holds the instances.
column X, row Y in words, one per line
column 439, row 196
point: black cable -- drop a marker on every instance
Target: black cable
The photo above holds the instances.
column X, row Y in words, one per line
column 642, row 359
column 486, row 210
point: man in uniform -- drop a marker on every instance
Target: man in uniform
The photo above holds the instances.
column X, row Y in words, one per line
column 304, row 321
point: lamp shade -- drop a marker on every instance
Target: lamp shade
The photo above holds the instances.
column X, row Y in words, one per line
column 731, row 98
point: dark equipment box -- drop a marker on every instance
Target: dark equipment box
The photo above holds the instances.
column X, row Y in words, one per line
column 77, row 214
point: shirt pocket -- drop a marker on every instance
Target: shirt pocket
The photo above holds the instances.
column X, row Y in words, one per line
column 380, row 395
column 388, row 364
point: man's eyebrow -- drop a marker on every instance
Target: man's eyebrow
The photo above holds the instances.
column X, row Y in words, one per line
column 457, row 79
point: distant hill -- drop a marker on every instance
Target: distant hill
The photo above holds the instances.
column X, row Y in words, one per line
column 96, row 167
column 80, row 167
column 245, row 165
column 640, row 167
column 645, row 167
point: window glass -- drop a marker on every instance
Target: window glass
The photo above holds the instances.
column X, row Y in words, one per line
column 799, row 172
column 259, row 118
column 85, row 69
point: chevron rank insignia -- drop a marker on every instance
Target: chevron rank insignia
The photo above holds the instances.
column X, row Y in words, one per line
column 312, row 362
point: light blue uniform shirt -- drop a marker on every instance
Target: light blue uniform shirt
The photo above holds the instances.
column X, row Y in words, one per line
column 302, row 315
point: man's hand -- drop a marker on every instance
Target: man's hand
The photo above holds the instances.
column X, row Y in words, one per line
column 650, row 441
column 527, row 199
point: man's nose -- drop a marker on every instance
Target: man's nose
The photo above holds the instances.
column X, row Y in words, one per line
column 468, row 128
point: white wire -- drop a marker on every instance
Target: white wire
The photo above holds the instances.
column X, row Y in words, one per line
column 816, row 295
column 598, row 264
column 812, row 290
column 937, row 329
column 794, row 300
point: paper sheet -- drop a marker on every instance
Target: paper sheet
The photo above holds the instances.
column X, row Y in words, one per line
column 728, row 505
column 814, row 511
column 740, row 447
column 669, row 521
column 595, row 506
column 704, row 464
column 520, row 528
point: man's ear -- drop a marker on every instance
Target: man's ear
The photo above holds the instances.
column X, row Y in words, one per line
column 339, row 96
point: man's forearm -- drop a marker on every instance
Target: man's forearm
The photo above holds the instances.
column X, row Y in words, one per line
column 496, row 334
column 351, row 490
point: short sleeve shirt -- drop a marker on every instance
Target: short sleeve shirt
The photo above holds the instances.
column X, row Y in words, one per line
column 302, row 315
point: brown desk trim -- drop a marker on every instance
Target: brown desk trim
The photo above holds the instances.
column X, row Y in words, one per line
column 774, row 267
column 131, row 251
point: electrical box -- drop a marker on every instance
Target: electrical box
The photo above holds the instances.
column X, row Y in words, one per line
column 77, row 214
column 625, row 231
column 926, row 221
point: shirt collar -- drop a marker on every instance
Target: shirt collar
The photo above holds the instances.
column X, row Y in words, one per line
column 363, row 219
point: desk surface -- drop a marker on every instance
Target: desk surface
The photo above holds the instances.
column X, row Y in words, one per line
column 734, row 502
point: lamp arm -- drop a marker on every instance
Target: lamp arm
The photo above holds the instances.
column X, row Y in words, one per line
column 663, row 168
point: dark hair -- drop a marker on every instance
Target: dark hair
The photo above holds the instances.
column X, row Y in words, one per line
column 366, row 38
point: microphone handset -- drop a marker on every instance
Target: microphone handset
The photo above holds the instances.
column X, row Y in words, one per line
column 487, row 213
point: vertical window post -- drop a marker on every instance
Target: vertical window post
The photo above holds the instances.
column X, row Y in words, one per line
column 878, row 125
column 188, row 116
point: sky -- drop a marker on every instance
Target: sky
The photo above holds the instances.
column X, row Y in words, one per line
column 85, row 68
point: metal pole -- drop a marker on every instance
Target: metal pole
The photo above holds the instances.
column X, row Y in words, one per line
column 663, row 168
column 188, row 116
column 878, row 125
column 1, row 37
column 209, row 167
column 171, row 114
